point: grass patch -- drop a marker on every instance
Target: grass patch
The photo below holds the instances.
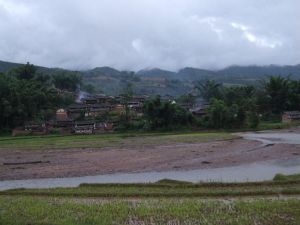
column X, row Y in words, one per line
column 108, row 140
column 46, row 211
column 168, row 189
column 276, row 125
column 163, row 202
column 282, row 177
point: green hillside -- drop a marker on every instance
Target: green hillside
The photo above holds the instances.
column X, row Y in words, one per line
column 163, row 82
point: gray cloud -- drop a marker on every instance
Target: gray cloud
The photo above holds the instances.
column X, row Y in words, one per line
column 136, row 34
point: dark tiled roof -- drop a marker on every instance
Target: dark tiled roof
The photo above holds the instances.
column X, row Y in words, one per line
column 77, row 106
column 292, row 114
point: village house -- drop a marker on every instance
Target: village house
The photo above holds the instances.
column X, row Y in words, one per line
column 141, row 99
column 31, row 128
column 167, row 98
column 77, row 110
column 97, row 110
column 108, row 100
column 186, row 106
column 63, row 122
column 118, row 108
column 84, row 127
column 104, row 127
column 61, row 115
column 136, row 106
column 98, row 99
column 89, row 100
column 35, row 127
column 80, row 117
column 290, row 116
column 199, row 109
column 136, row 103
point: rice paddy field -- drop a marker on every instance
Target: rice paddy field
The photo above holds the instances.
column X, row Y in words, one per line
column 107, row 140
column 119, row 139
column 37, row 211
column 164, row 202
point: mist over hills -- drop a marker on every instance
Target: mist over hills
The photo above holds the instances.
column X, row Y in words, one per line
column 158, row 81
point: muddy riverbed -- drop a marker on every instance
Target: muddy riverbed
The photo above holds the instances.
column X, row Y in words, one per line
column 243, row 173
column 253, row 148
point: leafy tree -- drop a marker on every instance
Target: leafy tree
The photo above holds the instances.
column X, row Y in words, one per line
column 68, row 81
column 277, row 91
column 252, row 119
column 238, row 94
column 166, row 115
column 127, row 96
column 44, row 79
column 26, row 71
column 187, row 99
column 209, row 89
column 89, row 88
column 243, row 99
column 218, row 113
column 294, row 95
column 23, row 99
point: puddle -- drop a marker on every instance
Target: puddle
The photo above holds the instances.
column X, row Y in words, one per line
column 273, row 138
column 242, row 173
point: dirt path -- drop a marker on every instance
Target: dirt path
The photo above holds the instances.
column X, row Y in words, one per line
column 139, row 158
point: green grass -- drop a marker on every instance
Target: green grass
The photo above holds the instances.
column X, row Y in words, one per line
column 281, row 177
column 129, row 138
column 276, row 125
column 107, row 140
column 164, row 202
column 167, row 189
column 46, row 211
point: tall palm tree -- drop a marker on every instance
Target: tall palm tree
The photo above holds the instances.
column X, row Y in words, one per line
column 208, row 89
column 277, row 90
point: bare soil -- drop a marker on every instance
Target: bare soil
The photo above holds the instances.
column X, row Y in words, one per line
column 138, row 158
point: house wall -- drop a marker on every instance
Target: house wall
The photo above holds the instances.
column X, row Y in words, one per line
column 286, row 119
column 61, row 116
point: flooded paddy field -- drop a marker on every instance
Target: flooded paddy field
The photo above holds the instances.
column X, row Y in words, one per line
column 163, row 202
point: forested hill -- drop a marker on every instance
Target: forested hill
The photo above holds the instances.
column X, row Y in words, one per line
column 158, row 81
column 5, row 66
column 190, row 73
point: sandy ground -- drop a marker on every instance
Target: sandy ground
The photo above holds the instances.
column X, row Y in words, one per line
column 142, row 158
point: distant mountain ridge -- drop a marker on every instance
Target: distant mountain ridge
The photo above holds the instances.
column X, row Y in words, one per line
column 187, row 73
column 5, row 66
column 108, row 71
column 261, row 70
column 159, row 81
column 157, row 73
column 190, row 73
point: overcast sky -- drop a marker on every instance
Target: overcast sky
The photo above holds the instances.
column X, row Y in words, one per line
column 137, row 34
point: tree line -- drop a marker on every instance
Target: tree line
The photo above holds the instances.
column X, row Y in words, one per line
column 229, row 106
column 247, row 105
column 26, row 94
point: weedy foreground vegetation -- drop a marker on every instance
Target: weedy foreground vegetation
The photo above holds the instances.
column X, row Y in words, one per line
column 26, row 210
column 164, row 202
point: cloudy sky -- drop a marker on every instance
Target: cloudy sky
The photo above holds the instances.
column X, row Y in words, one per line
column 137, row 34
